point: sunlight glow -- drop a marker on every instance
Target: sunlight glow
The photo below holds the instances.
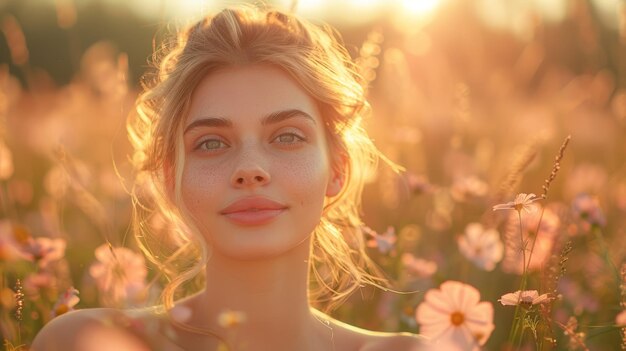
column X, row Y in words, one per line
column 420, row 6
column 310, row 5
column 364, row 3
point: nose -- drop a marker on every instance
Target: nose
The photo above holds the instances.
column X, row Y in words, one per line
column 249, row 173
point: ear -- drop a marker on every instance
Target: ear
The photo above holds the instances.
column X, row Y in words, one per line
column 337, row 177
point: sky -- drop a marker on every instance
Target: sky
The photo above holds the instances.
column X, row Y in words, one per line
column 498, row 13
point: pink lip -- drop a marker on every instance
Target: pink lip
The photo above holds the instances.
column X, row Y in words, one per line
column 253, row 210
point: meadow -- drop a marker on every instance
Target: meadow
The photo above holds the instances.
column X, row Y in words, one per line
column 512, row 197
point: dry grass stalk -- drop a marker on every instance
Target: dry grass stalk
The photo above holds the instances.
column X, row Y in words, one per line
column 576, row 339
column 19, row 301
column 519, row 165
column 555, row 167
column 562, row 268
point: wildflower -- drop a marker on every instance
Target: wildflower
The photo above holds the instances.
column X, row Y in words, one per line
column 66, row 302
column 454, row 314
column 522, row 202
column 419, row 184
column 587, row 208
column 571, row 290
column 483, row 247
column 620, row 319
column 6, row 162
column 44, row 250
column 526, row 298
column 384, row 242
column 39, row 282
column 406, row 316
column 231, row 319
column 418, row 267
column 468, row 187
column 120, row 275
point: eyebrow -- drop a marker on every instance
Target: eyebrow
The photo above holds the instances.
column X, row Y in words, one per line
column 272, row 118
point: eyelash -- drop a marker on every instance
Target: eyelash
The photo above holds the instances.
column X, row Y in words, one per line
column 298, row 139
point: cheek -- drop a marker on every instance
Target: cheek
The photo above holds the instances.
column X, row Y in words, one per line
column 199, row 183
column 305, row 177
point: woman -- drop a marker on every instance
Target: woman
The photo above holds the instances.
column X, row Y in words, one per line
column 248, row 143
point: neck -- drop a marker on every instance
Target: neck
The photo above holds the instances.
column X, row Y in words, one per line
column 272, row 296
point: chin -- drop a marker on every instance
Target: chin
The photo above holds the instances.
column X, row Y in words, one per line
column 255, row 244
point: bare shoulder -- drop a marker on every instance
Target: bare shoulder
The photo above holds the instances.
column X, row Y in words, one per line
column 348, row 337
column 62, row 330
column 80, row 329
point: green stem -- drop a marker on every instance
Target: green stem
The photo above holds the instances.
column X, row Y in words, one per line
column 521, row 238
column 517, row 330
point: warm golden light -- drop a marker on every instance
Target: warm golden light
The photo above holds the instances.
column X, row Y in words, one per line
column 364, row 3
column 420, row 6
column 310, row 5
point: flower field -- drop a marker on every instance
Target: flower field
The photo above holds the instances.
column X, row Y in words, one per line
column 506, row 230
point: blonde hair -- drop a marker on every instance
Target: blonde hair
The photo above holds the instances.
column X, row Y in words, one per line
column 314, row 57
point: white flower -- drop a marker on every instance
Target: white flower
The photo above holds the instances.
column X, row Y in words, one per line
column 483, row 247
column 385, row 242
column 66, row 302
column 120, row 275
column 522, row 202
column 524, row 298
column 417, row 266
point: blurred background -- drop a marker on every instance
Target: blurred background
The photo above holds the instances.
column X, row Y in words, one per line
column 473, row 97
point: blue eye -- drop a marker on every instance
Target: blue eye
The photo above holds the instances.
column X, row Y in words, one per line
column 289, row 138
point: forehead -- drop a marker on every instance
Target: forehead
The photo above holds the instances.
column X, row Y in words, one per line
column 248, row 92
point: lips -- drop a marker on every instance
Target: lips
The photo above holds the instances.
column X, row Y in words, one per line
column 256, row 203
column 255, row 210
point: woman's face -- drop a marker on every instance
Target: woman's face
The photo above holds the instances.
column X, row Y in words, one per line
column 257, row 166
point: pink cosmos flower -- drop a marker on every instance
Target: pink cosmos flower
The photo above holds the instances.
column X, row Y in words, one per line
column 120, row 275
column 453, row 314
column 544, row 237
column 524, row 298
column 418, row 267
column 385, row 242
column 6, row 162
column 620, row 319
column 419, row 184
column 522, row 202
column 231, row 319
column 483, row 247
column 465, row 188
column 36, row 283
column 44, row 250
column 66, row 302
column 587, row 208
